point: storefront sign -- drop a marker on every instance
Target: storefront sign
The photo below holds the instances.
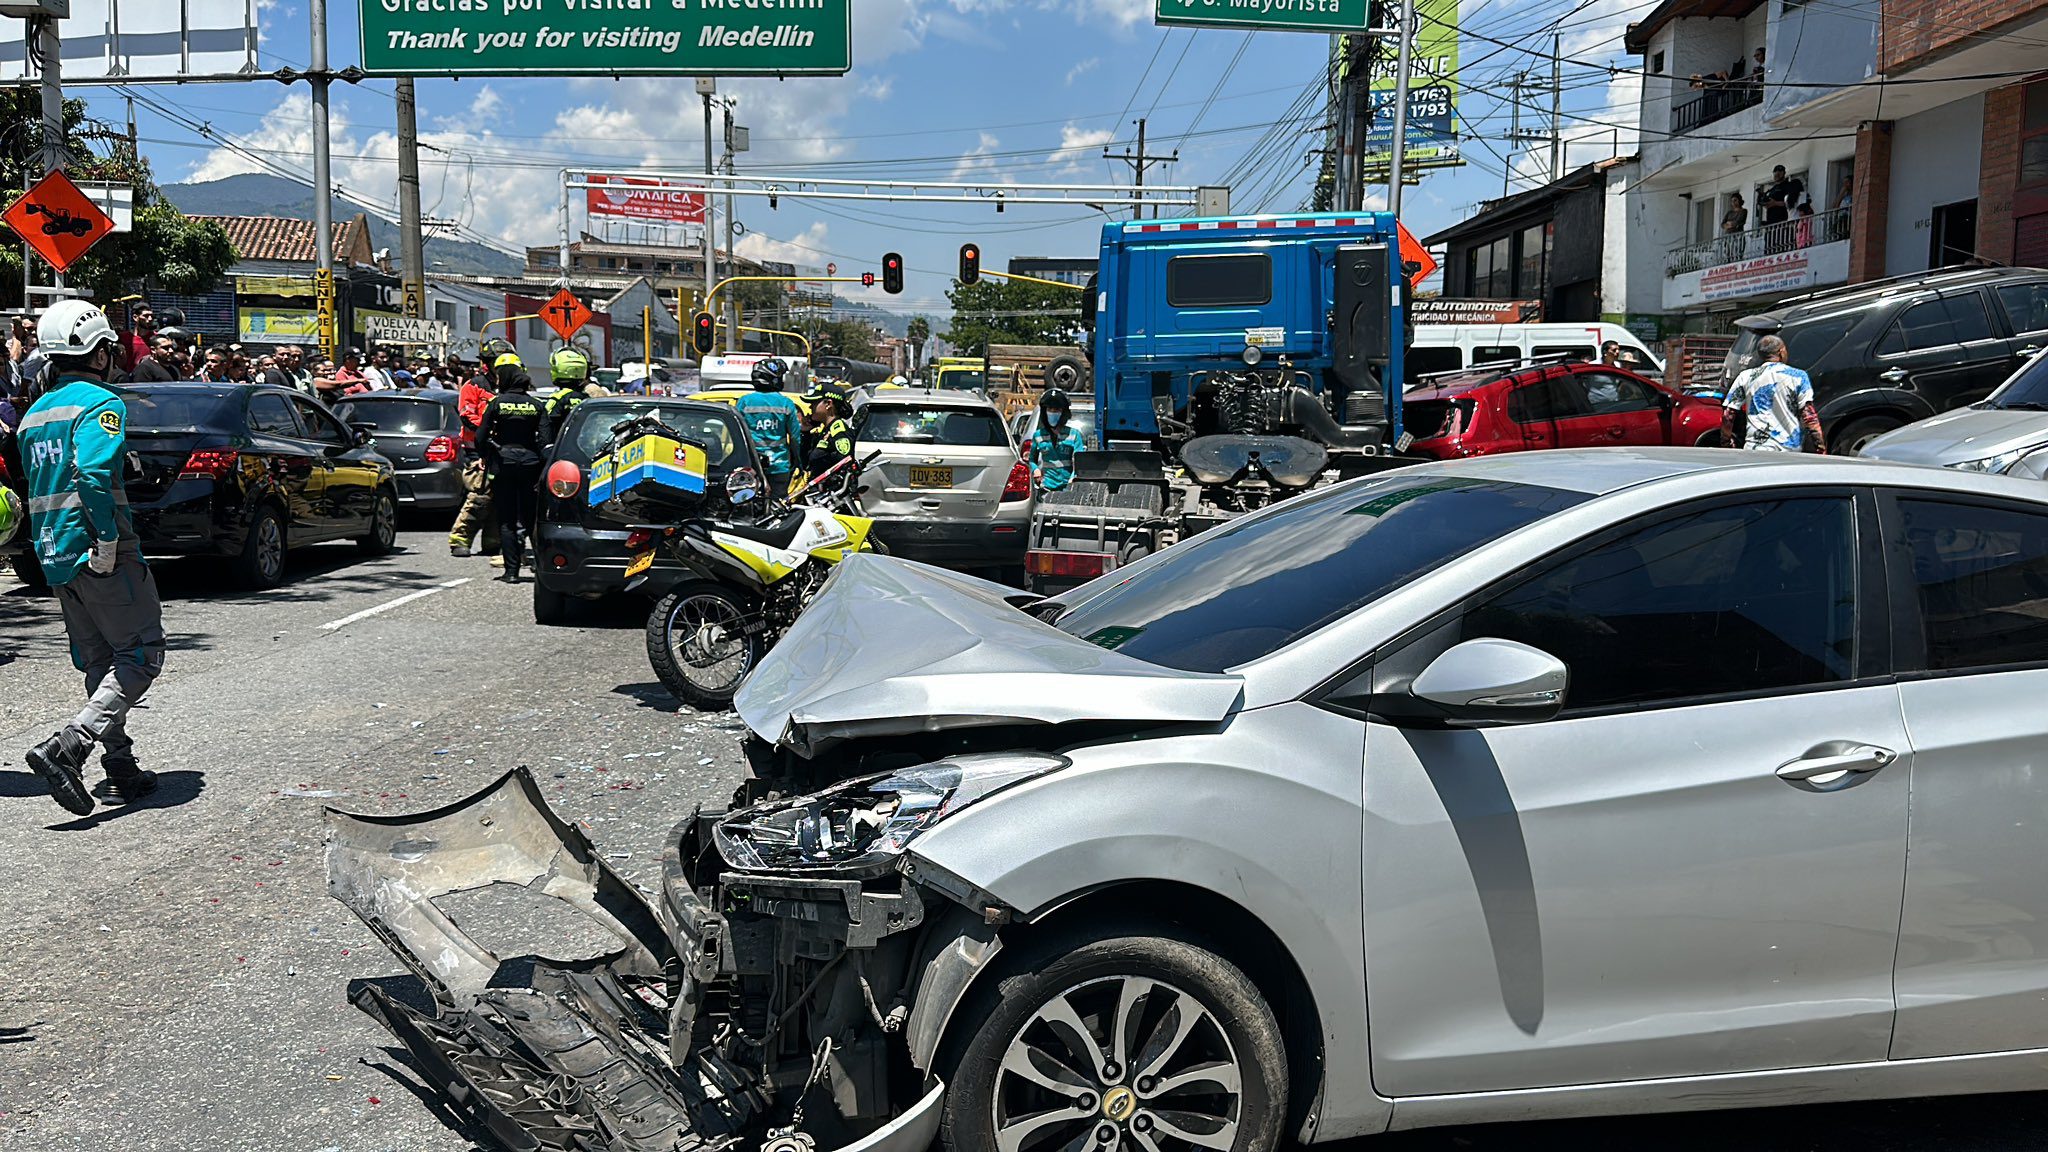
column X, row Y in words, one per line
column 277, row 325
column 383, row 329
column 286, row 286
column 1761, row 276
column 1442, row 311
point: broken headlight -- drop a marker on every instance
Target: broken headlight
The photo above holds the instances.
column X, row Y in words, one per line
column 868, row 822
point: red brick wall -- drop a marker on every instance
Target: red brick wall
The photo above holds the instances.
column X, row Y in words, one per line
column 1914, row 28
column 1999, row 172
column 1868, row 220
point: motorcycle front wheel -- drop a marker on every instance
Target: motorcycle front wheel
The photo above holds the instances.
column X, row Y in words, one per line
column 703, row 639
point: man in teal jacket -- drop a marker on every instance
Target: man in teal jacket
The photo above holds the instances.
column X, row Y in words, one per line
column 71, row 442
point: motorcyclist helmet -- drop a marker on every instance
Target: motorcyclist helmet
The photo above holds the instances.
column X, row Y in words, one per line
column 504, row 368
column 769, row 374
column 494, row 348
column 568, row 364
column 12, row 514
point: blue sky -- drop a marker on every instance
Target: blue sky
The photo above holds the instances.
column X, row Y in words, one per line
column 998, row 90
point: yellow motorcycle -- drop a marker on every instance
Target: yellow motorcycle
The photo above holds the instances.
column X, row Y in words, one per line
column 748, row 579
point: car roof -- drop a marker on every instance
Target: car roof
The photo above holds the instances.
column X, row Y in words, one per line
column 1875, row 291
column 930, row 398
column 438, row 395
column 1603, row 471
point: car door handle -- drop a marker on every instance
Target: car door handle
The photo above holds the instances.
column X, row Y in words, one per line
column 1860, row 759
column 1893, row 374
column 2029, row 350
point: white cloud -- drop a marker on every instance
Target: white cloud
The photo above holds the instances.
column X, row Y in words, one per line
column 804, row 251
column 1082, row 69
column 976, row 160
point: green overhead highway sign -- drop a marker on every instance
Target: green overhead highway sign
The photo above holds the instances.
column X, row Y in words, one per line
column 1269, row 15
column 607, row 37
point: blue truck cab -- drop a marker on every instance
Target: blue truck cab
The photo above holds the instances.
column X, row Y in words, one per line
column 1260, row 347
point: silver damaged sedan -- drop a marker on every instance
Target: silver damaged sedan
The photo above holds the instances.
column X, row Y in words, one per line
column 1540, row 785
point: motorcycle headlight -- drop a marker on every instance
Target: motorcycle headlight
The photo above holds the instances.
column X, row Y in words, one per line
column 1994, row 465
column 867, row 823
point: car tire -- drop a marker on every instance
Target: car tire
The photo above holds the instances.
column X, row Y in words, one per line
column 1066, row 373
column 1849, row 439
column 692, row 634
column 260, row 563
column 1091, row 974
column 550, row 607
column 382, row 538
column 1708, row 440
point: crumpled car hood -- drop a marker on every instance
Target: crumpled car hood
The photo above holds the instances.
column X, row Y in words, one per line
column 892, row 646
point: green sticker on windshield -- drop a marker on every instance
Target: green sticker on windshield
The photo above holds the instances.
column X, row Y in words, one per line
column 1113, row 638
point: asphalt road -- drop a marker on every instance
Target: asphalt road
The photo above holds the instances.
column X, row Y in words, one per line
column 174, row 975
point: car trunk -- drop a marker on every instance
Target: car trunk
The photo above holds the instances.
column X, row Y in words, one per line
column 1428, row 419
column 936, row 461
column 155, row 458
column 403, row 428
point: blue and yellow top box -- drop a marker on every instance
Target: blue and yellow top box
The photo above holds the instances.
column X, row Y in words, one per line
column 650, row 465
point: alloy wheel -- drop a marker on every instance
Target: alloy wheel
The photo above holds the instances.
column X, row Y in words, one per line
column 707, row 637
column 269, row 548
column 1118, row 1064
column 384, row 523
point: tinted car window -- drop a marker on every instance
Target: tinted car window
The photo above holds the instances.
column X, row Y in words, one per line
column 1554, row 399
column 1937, row 324
column 419, row 416
column 2026, row 305
column 1430, row 361
column 1219, row 281
column 1805, row 344
column 717, row 432
column 1609, row 392
column 932, row 424
column 1733, row 599
column 1981, row 575
column 1237, row 593
column 319, row 425
column 272, row 414
column 177, row 408
column 2027, row 388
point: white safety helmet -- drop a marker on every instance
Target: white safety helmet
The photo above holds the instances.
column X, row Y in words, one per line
column 74, row 328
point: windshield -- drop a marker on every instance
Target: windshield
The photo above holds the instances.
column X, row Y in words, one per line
column 2026, row 388
column 177, row 408
column 715, row 431
column 421, row 417
column 964, row 379
column 931, row 424
column 1234, row 594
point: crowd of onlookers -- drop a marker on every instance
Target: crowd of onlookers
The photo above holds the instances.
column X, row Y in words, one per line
column 152, row 352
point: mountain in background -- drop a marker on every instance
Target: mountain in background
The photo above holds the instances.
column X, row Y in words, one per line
column 260, row 194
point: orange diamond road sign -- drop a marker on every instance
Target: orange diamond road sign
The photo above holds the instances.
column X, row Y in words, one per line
column 565, row 313
column 56, row 220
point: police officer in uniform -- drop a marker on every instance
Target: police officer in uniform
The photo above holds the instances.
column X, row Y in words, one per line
column 71, row 443
column 832, row 437
column 774, row 423
column 510, row 435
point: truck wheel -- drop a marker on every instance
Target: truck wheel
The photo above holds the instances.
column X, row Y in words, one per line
column 698, row 643
column 1066, row 373
column 1180, row 1051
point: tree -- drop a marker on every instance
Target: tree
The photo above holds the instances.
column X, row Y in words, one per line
column 918, row 332
column 853, row 339
column 1013, row 312
column 166, row 249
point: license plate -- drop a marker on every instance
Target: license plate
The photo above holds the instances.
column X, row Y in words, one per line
column 931, row 477
column 641, row 563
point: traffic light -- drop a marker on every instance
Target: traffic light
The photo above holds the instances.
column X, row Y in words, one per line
column 970, row 263
column 892, row 273
column 703, row 329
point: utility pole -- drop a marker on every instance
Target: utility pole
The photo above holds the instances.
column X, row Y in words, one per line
column 732, row 303
column 1404, row 34
column 707, row 86
column 411, row 245
column 1139, row 161
column 323, row 210
column 1556, row 102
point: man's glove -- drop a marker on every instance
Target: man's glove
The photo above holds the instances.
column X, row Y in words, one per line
column 101, row 561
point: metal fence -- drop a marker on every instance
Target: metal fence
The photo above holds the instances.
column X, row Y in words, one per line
column 1721, row 99
column 1768, row 240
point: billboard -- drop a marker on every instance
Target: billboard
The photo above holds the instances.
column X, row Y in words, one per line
column 607, row 38
column 146, row 38
column 1432, row 93
column 636, row 199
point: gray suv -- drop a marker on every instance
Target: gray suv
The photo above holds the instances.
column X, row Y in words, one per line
column 1889, row 352
column 1534, row 785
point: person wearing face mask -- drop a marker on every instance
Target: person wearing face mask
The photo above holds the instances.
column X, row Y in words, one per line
column 1050, row 451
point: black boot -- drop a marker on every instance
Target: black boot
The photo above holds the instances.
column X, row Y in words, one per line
column 60, row 761
column 126, row 780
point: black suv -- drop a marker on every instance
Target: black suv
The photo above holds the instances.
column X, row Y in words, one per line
column 1889, row 352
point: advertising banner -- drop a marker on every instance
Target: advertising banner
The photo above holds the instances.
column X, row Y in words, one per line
column 1432, row 93
column 637, row 199
column 607, row 37
column 1765, row 274
column 278, row 325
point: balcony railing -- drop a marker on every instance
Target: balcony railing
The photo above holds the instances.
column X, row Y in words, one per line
column 1769, row 240
column 1721, row 98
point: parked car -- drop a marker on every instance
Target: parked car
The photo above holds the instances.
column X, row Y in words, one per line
column 1574, row 405
column 1440, row 348
column 248, row 472
column 1886, row 353
column 1521, row 787
column 581, row 551
column 419, row 433
column 2002, row 434
column 949, row 487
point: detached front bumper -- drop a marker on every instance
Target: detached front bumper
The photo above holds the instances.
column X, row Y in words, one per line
column 761, row 1014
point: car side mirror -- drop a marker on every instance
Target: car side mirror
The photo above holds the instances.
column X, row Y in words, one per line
column 1491, row 679
column 363, row 431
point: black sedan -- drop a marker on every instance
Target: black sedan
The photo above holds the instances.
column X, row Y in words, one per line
column 246, row 471
column 419, row 433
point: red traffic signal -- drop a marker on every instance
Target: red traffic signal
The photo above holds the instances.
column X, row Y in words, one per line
column 892, row 273
column 970, row 263
column 867, row 279
column 703, row 332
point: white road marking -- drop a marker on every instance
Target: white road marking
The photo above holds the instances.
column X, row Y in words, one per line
column 408, row 598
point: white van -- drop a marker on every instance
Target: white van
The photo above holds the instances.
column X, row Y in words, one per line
column 1442, row 348
column 736, row 370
